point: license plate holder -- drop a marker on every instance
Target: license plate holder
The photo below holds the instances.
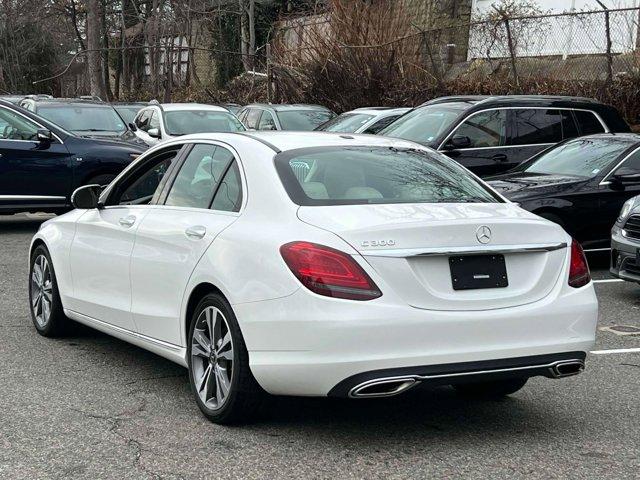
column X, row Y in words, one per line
column 471, row 272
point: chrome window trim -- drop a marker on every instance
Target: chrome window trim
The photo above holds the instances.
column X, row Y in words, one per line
column 32, row 197
column 32, row 121
column 604, row 125
column 604, row 181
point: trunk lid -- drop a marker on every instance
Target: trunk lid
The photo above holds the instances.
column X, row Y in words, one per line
column 410, row 245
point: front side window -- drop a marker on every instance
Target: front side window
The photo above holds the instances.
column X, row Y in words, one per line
column 426, row 124
column 253, row 116
column 267, row 122
column 199, row 176
column 154, row 121
column 536, row 125
column 582, row 157
column 142, row 122
column 81, row 118
column 183, row 122
column 485, row 129
column 345, row 123
column 303, row 120
column 368, row 175
column 16, row 127
column 141, row 187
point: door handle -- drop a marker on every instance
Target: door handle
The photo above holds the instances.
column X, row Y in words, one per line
column 127, row 221
column 196, row 232
column 499, row 157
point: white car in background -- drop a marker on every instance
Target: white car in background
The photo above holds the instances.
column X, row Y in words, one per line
column 363, row 120
column 316, row 264
column 160, row 122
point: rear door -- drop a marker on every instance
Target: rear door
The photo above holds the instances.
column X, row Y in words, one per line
column 204, row 199
column 31, row 172
column 533, row 130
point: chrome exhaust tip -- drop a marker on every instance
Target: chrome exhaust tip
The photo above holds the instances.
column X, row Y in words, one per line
column 382, row 387
column 567, row 368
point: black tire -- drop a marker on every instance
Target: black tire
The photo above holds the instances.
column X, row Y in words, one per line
column 495, row 389
column 57, row 323
column 103, row 180
column 244, row 395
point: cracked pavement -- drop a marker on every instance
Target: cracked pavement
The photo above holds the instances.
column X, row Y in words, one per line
column 90, row 406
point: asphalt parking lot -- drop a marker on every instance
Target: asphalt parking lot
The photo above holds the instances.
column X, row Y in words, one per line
column 91, row 406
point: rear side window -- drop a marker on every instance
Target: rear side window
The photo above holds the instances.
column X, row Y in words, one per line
column 588, row 122
column 380, row 124
column 199, row 176
column 370, row 175
column 536, row 125
column 229, row 194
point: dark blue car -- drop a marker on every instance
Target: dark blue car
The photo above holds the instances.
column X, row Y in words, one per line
column 41, row 164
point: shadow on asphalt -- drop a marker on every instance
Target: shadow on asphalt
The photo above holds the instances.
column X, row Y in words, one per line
column 21, row 223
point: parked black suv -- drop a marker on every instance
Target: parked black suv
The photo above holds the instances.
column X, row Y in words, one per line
column 490, row 135
column 41, row 164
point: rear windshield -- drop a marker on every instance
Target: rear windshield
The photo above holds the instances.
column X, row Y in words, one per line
column 303, row 120
column 183, row 122
column 370, row 175
column 345, row 123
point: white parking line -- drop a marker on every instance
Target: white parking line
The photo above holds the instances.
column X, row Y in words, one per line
column 608, row 280
column 619, row 350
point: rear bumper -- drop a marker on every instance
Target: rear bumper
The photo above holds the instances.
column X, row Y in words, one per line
column 305, row 344
column 623, row 257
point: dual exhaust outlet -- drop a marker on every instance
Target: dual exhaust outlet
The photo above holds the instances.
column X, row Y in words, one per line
column 390, row 386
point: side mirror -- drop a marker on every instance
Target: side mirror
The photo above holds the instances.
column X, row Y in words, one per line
column 458, row 141
column 626, row 176
column 132, row 127
column 86, row 197
column 44, row 135
column 154, row 132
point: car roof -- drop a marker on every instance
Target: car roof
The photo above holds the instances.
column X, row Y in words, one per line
column 65, row 102
column 379, row 110
column 290, row 140
column 282, row 107
column 172, row 107
column 514, row 100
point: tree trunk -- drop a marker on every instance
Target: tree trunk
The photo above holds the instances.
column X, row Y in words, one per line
column 94, row 57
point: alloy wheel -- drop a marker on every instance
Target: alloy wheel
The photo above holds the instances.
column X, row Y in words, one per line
column 41, row 290
column 212, row 358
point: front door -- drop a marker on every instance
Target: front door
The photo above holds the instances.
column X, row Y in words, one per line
column 203, row 200
column 31, row 172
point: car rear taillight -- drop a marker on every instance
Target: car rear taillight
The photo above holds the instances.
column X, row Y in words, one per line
column 579, row 274
column 327, row 271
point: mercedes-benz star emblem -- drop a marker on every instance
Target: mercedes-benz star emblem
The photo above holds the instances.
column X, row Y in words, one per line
column 483, row 234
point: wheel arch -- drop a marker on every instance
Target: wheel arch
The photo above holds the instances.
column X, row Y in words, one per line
column 197, row 293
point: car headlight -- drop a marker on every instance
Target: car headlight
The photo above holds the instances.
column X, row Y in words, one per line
column 626, row 210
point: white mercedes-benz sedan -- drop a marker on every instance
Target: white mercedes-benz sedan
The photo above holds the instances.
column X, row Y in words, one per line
column 316, row 264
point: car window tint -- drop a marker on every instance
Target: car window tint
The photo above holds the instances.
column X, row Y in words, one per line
column 380, row 124
column 569, row 127
column 16, row 127
column 485, row 129
column 536, row 125
column 229, row 195
column 198, row 177
column 588, row 122
column 267, row 122
column 252, row 118
column 632, row 162
column 345, row 123
column 374, row 174
column 142, row 186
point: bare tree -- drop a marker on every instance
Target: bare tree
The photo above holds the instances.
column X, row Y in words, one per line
column 94, row 44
